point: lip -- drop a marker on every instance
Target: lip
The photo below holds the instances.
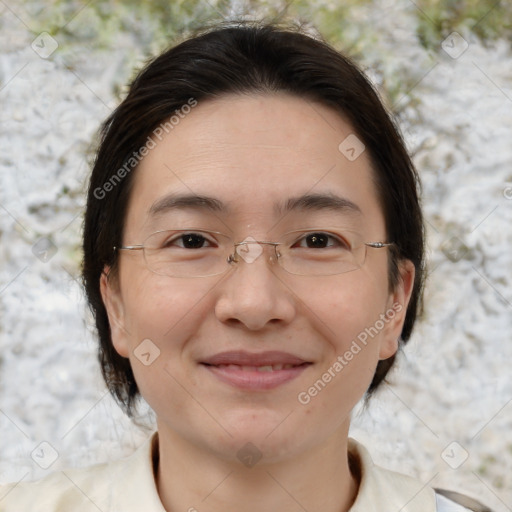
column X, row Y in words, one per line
column 239, row 368
column 243, row 358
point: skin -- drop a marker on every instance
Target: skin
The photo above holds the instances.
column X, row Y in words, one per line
column 250, row 152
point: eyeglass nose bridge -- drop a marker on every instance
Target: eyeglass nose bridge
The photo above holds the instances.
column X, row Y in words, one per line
column 250, row 250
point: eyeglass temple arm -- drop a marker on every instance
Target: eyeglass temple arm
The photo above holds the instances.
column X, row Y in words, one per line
column 129, row 248
column 379, row 245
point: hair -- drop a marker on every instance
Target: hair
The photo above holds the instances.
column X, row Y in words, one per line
column 243, row 58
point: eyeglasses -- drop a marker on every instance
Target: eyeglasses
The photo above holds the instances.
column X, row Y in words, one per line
column 201, row 253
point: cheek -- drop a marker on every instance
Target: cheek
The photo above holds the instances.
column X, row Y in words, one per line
column 347, row 315
column 168, row 312
column 351, row 353
column 348, row 306
column 164, row 308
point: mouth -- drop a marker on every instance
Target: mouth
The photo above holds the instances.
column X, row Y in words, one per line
column 266, row 368
column 255, row 372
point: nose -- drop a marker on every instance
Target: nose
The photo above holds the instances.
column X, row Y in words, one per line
column 254, row 294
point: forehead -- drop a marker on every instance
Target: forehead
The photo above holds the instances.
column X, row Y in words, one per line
column 254, row 154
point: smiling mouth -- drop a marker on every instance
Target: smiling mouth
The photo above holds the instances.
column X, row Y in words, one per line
column 263, row 368
column 256, row 378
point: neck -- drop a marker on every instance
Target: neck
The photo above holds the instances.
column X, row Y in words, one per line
column 191, row 479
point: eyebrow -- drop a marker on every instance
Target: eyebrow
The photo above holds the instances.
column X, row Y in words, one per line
column 319, row 202
column 305, row 202
column 197, row 202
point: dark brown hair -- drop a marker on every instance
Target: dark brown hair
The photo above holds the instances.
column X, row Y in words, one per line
column 242, row 58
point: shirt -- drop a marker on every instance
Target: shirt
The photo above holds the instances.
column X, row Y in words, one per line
column 128, row 485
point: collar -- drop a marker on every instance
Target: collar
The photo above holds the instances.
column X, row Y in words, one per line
column 134, row 486
column 384, row 490
column 379, row 489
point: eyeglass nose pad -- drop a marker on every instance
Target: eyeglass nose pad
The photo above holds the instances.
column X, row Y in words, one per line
column 275, row 255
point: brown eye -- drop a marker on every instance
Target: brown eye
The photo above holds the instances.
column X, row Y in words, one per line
column 321, row 240
column 187, row 241
column 317, row 240
column 193, row 241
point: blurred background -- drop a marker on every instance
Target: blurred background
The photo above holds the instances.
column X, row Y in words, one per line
column 444, row 68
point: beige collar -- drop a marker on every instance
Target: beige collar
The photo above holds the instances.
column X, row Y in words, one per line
column 380, row 489
column 129, row 485
column 383, row 490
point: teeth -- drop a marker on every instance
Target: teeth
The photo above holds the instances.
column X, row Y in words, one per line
column 267, row 368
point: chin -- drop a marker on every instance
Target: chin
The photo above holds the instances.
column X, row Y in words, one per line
column 266, row 433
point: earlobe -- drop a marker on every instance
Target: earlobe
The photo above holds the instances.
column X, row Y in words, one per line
column 397, row 309
column 112, row 300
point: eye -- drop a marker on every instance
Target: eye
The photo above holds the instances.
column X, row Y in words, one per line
column 188, row 241
column 321, row 240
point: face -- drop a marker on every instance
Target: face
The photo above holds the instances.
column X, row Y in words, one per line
column 255, row 157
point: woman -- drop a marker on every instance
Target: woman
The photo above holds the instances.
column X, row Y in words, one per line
column 253, row 257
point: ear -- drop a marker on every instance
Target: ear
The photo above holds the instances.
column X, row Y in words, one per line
column 112, row 299
column 394, row 316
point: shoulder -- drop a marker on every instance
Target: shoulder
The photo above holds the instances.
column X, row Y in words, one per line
column 74, row 489
column 385, row 490
column 127, row 484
